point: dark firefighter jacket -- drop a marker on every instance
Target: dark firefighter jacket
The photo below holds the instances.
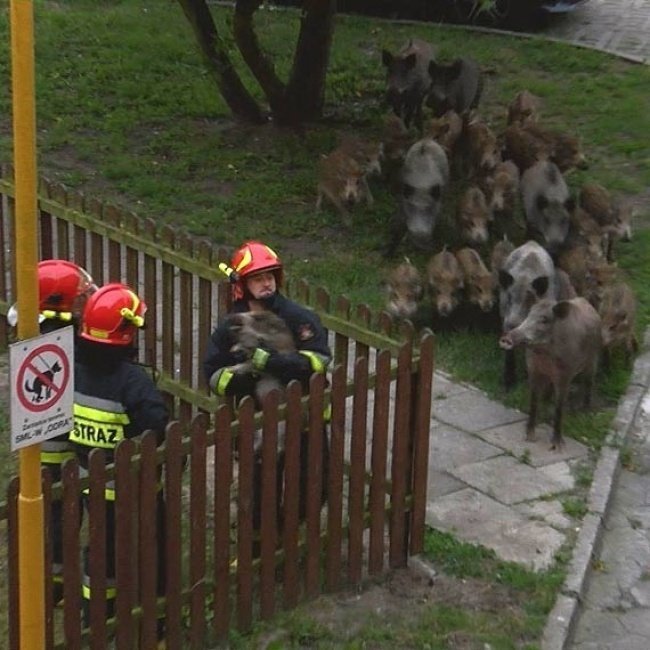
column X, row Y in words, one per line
column 113, row 405
column 310, row 337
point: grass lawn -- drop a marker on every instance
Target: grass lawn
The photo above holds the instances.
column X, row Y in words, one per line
column 127, row 113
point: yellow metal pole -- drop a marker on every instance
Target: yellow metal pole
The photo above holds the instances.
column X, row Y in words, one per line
column 31, row 550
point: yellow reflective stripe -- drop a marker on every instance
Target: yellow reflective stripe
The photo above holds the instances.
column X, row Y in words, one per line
column 56, row 457
column 316, row 360
column 223, row 381
column 97, row 415
column 111, row 592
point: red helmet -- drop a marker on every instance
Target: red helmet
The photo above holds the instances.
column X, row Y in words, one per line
column 63, row 288
column 254, row 257
column 112, row 315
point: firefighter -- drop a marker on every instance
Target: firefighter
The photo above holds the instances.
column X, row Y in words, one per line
column 114, row 399
column 257, row 275
column 63, row 289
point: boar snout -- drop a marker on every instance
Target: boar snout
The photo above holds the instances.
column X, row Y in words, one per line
column 505, row 342
column 486, row 305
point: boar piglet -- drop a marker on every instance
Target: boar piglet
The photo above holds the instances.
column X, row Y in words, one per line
column 523, row 148
column 341, row 180
column 501, row 188
column 524, row 108
column 408, row 80
column 500, row 252
column 368, row 154
column 424, row 177
column 562, row 340
column 565, row 149
column 473, row 215
column 482, row 153
column 618, row 313
column 251, row 330
column 478, row 281
column 404, row 290
column 526, row 276
column 445, row 282
column 446, row 131
column 547, row 205
column 456, row 86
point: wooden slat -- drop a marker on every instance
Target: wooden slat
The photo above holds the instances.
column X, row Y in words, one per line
column 172, row 534
column 245, row 516
column 148, row 547
column 113, row 216
column 151, row 298
column 198, row 446
column 358, row 470
column 398, row 528
column 62, row 239
column 125, row 518
column 186, row 340
column 97, row 548
column 13, row 608
column 168, row 328
column 47, row 237
column 97, row 259
column 223, row 473
column 341, row 341
column 421, row 390
column 132, row 224
column 290, row 510
column 314, row 484
column 335, row 481
column 379, row 460
column 80, row 246
column 72, row 513
column 204, row 306
column 363, row 316
column 269, row 499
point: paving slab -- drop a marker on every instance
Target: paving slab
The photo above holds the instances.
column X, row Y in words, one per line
column 450, row 447
column 441, row 483
column 511, row 438
column 507, row 480
column 552, row 512
column 473, row 411
column 476, row 518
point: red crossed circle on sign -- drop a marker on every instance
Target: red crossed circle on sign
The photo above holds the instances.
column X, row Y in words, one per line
column 48, row 378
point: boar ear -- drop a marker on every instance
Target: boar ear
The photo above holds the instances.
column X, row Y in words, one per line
column 561, row 309
column 505, row 279
column 386, row 58
column 540, row 285
column 541, row 201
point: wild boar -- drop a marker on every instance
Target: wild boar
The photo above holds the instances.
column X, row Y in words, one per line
column 564, row 149
column 446, row 131
column 407, row 78
column 396, row 141
column 588, row 232
column 524, row 108
column 562, row 339
column 599, row 277
column 481, row 148
column 404, row 290
column 501, row 188
column 253, row 329
column 618, row 313
column 445, row 282
column 341, row 180
column 424, row 177
column 478, row 281
column 473, row 215
column 456, row 86
column 574, row 262
column 527, row 275
column 500, row 252
column 523, row 148
column 368, row 154
column 547, row 205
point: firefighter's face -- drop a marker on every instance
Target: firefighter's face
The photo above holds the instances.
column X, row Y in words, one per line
column 261, row 285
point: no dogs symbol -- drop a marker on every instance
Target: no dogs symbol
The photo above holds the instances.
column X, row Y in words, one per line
column 42, row 378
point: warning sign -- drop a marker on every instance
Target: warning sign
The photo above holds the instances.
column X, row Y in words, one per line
column 41, row 371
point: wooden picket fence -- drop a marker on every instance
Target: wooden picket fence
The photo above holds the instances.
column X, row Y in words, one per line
column 379, row 393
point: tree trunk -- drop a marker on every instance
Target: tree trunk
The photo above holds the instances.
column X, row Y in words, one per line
column 239, row 100
column 305, row 92
column 260, row 65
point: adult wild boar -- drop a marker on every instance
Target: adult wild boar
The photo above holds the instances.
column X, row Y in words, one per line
column 456, row 86
column 403, row 290
column 445, row 282
column 547, row 204
column 562, row 340
column 526, row 276
column 424, row 177
column 408, row 80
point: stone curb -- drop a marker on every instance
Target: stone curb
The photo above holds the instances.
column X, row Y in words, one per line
column 561, row 621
